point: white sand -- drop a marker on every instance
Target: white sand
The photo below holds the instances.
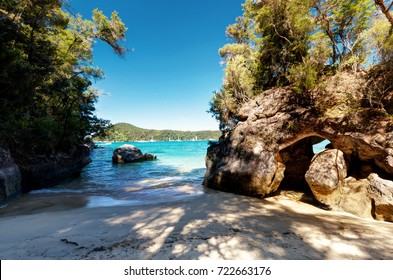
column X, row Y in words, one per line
column 213, row 225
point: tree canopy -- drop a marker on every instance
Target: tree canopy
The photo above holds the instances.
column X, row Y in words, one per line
column 298, row 43
column 46, row 68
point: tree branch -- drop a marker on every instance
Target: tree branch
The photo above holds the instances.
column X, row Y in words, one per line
column 329, row 32
column 385, row 10
column 391, row 5
column 281, row 36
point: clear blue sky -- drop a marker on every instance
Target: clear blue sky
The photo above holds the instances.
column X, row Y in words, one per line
column 168, row 80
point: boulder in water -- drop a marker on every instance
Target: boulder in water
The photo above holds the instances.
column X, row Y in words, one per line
column 130, row 153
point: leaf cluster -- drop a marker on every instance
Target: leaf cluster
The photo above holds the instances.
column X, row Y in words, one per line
column 46, row 98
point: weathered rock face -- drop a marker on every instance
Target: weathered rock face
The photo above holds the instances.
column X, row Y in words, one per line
column 354, row 198
column 255, row 172
column 270, row 146
column 326, row 176
column 327, row 180
column 44, row 172
column 381, row 194
column 297, row 159
column 130, row 153
column 10, row 177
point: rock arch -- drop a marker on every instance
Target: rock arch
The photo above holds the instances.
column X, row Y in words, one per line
column 271, row 147
column 297, row 159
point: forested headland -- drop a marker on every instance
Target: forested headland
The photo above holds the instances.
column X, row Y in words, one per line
column 123, row 132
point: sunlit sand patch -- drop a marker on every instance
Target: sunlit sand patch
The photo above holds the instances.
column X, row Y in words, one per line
column 334, row 246
column 179, row 249
column 161, row 220
column 188, row 189
column 275, row 250
column 125, row 219
column 195, row 226
column 344, row 251
column 224, row 247
column 159, row 240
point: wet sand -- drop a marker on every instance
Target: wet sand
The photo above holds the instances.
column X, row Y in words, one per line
column 212, row 225
column 51, row 202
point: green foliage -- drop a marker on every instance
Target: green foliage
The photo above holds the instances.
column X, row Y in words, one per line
column 124, row 132
column 298, row 43
column 224, row 108
column 240, row 60
column 303, row 76
column 284, row 29
column 343, row 23
column 380, row 39
column 269, row 39
column 45, row 70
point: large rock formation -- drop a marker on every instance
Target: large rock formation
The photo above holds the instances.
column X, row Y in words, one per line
column 46, row 171
column 10, row 177
column 271, row 146
column 326, row 176
column 130, row 153
column 327, row 180
column 380, row 192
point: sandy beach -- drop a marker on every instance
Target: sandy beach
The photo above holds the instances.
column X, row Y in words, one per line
column 213, row 225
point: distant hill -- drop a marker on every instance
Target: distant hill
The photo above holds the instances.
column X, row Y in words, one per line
column 122, row 132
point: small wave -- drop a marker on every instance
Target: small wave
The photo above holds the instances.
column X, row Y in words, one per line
column 48, row 191
column 159, row 181
column 103, row 143
column 104, row 201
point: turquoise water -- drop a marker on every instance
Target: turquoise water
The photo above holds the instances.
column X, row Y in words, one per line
column 177, row 173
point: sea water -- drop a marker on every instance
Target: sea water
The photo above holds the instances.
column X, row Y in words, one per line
column 177, row 173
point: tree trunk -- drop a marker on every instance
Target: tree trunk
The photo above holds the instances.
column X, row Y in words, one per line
column 385, row 10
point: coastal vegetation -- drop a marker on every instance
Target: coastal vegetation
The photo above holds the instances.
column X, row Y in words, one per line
column 298, row 73
column 124, row 132
column 47, row 101
column 300, row 44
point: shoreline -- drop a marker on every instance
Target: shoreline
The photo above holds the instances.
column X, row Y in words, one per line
column 213, row 225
